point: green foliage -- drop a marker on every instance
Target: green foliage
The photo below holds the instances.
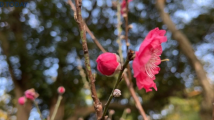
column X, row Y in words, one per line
column 184, row 109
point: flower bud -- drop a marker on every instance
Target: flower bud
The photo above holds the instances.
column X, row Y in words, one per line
column 61, row 90
column 31, row 94
column 22, row 100
column 108, row 63
column 117, row 93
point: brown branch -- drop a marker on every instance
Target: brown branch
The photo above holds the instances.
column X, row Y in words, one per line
column 187, row 49
column 89, row 109
column 128, row 79
column 137, row 102
column 125, row 76
column 87, row 29
column 126, row 25
column 79, row 20
column 115, row 86
column 126, row 36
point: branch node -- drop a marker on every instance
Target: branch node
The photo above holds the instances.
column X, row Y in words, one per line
column 85, row 51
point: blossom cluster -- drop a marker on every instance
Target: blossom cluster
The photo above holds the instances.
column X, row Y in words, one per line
column 31, row 94
column 145, row 63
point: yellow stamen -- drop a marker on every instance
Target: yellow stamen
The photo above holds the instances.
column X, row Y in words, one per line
column 164, row 60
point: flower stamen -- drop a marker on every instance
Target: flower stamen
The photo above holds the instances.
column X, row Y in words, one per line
column 151, row 66
column 164, row 60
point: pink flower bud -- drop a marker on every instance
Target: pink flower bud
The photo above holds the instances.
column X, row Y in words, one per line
column 31, row 94
column 22, row 100
column 108, row 63
column 61, row 90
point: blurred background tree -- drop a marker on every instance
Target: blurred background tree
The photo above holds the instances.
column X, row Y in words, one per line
column 40, row 45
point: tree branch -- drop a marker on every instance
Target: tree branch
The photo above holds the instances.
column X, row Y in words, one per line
column 79, row 20
column 119, row 30
column 137, row 102
column 88, row 110
column 87, row 29
column 115, row 86
column 126, row 25
column 103, row 50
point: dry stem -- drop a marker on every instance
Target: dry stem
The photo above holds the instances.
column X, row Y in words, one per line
column 125, row 76
column 87, row 29
column 137, row 102
column 79, row 20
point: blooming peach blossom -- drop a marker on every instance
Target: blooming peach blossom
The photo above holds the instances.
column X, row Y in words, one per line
column 61, row 90
column 145, row 64
column 108, row 63
column 31, row 94
column 22, row 100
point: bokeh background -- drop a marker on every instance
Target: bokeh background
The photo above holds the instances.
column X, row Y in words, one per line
column 40, row 48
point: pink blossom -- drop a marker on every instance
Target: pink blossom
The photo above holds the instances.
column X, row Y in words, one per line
column 145, row 64
column 61, row 90
column 22, row 100
column 31, row 94
column 108, row 63
column 123, row 6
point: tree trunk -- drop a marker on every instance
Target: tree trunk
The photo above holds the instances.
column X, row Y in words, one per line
column 23, row 112
column 186, row 48
column 60, row 111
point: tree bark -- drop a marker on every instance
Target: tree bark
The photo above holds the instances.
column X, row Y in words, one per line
column 186, row 48
column 78, row 17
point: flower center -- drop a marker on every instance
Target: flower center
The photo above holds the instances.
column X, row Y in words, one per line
column 150, row 65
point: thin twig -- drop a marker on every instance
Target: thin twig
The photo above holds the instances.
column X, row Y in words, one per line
column 38, row 110
column 87, row 29
column 115, row 86
column 119, row 30
column 56, row 107
column 79, row 20
column 136, row 99
column 82, row 74
column 125, row 76
column 126, row 25
column 123, row 117
column 126, row 36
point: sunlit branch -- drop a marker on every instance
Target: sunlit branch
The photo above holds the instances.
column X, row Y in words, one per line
column 119, row 30
column 79, row 20
column 87, row 29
